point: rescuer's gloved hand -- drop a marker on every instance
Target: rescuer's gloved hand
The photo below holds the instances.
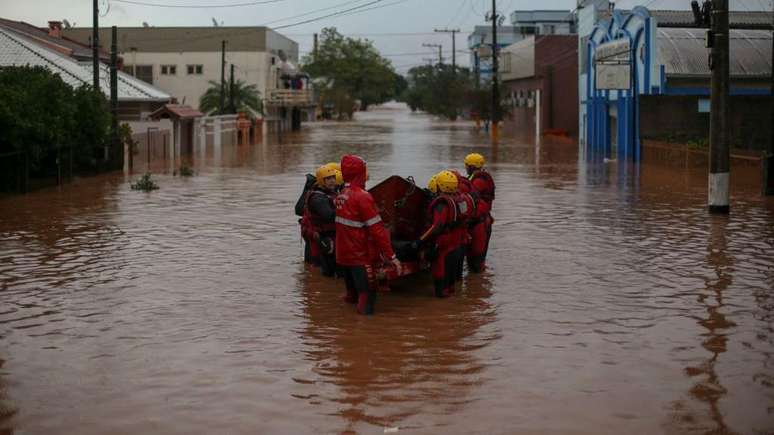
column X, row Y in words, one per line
column 397, row 264
column 327, row 244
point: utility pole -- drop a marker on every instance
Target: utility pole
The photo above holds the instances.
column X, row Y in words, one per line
column 95, row 46
column 231, row 104
column 114, row 145
column 440, row 51
column 719, row 150
column 768, row 163
column 495, row 80
column 314, row 52
column 454, row 45
column 222, row 76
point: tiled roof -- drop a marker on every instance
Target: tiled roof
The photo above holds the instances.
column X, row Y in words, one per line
column 683, row 52
column 17, row 50
column 180, row 111
column 75, row 49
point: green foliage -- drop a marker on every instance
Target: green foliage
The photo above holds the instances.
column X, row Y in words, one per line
column 145, row 183
column 247, row 98
column 40, row 113
column 186, row 171
column 351, row 69
column 441, row 90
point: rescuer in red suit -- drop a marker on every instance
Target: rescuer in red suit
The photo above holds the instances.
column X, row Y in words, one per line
column 320, row 216
column 362, row 241
column 442, row 235
column 481, row 229
column 466, row 212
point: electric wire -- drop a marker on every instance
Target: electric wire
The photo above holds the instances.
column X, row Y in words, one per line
column 179, row 6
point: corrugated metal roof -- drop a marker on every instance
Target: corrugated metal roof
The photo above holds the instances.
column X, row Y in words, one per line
column 683, row 52
column 736, row 18
column 16, row 50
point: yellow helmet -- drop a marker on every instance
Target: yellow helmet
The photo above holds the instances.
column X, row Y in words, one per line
column 339, row 178
column 447, row 181
column 334, row 165
column 432, row 184
column 324, row 172
column 475, row 160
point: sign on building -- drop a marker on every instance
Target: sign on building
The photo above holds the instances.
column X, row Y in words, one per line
column 612, row 62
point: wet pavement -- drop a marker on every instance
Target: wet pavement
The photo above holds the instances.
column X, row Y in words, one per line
column 613, row 304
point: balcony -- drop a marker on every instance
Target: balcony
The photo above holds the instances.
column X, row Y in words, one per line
column 290, row 98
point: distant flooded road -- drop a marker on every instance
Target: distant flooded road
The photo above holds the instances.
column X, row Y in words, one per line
column 613, row 304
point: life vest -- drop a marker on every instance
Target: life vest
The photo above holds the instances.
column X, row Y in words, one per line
column 466, row 207
column 452, row 218
column 313, row 222
column 488, row 193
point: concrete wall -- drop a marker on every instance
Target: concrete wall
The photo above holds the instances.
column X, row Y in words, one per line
column 677, row 119
column 251, row 67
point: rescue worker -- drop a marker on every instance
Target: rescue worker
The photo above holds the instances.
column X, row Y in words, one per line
column 442, row 236
column 299, row 209
column 466, row 209
column 481, row 228
column 362, row 241
column 320, row 215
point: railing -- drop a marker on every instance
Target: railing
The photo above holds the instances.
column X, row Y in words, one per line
column 290, row 98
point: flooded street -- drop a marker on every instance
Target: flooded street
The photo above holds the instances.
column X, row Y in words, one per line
column 614, row 303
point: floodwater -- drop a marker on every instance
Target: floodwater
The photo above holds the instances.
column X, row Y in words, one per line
column 613, row 303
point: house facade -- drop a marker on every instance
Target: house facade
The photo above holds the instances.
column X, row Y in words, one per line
column 184, row 60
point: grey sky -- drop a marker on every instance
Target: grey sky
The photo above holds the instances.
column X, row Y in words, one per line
column 405, row 16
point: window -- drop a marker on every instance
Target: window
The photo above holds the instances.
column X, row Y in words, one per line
column 168, row 70
column 195, row 69
column 549, row 29
column 142, row 72
column 145, row 73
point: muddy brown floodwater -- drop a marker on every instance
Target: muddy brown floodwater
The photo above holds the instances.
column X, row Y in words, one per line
column 613, row 304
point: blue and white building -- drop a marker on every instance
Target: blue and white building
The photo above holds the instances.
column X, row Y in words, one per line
column 627, row 57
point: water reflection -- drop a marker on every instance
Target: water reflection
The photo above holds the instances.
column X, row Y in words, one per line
column 408, row 366
column 708, row 388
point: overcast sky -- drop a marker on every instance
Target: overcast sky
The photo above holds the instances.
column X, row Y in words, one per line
column 397, row 27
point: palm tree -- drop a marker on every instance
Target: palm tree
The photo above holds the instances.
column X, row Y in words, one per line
column 247, row 98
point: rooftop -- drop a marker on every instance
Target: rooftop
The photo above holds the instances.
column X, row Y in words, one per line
column 190, row 39
column 19, row 50
column 684, row 54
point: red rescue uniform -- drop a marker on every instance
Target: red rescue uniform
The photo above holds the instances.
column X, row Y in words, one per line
column 319, row 220
column 362, row 241
column 481, row 229
column 445, row 241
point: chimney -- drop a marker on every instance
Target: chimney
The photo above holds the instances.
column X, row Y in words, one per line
column 55, row 29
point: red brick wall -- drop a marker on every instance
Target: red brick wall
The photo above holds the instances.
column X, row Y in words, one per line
column 556, row 76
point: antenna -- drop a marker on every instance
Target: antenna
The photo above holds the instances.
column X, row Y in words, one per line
column 214, row 22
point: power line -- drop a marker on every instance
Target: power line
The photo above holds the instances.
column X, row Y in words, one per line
column 313, row 12
column 231, row 5
column 356, row 9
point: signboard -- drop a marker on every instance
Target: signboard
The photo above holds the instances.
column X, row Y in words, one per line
column 612, row 63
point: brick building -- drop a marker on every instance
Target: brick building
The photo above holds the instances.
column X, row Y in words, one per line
column 539, row 77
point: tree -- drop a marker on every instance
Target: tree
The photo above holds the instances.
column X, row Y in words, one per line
column 40, row 113
column 247, row 98
column 441, row 90
column 353, row 67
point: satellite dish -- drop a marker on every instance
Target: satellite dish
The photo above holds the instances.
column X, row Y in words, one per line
column 214, row 22
column 145, row 24
column 66, row 23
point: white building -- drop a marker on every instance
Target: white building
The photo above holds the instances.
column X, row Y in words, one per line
column 184, row 60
